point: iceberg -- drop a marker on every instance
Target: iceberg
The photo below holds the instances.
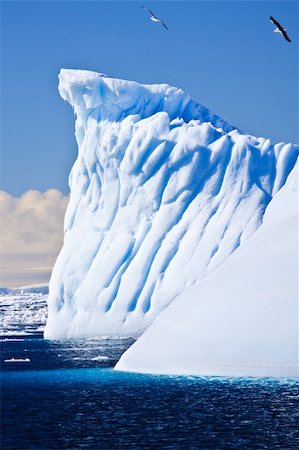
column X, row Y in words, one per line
column 242, row 320
column 163, row 191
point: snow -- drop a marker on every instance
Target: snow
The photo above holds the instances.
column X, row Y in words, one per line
column 163, row 191
column 242, row 320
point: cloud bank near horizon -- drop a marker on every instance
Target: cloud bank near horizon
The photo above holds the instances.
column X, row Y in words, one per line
column 31, row 235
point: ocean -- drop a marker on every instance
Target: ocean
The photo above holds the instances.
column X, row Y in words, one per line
column 66, row 395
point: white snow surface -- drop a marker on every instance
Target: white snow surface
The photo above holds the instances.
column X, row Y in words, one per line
column 162, row 192
column 242, row 320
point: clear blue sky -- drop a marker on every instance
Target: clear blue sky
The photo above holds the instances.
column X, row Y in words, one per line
column 223, row 53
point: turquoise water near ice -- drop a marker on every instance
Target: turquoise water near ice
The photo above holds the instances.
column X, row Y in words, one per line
column 68, row 396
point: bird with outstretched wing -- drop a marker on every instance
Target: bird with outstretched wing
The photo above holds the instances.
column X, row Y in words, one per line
column 280, row 29
column 154, row 18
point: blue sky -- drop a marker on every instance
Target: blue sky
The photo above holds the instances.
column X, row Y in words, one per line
column 223, row 53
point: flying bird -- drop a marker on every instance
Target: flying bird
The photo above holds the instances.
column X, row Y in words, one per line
column 154, row 18
column 280, row 29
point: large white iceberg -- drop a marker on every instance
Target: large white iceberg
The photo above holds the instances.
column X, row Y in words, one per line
column 162, row 192
column 240, row 320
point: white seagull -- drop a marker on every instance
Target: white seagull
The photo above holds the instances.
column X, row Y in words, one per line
column 154, row 18
column 280, row 29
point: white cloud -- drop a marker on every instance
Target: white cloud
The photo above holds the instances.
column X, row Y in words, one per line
column 31, row 235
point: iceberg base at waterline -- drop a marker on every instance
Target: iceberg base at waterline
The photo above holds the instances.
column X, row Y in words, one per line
column 242, row 320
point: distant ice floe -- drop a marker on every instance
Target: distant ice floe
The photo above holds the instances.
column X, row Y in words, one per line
column 101, row 358
column 22, row 313
column 163, row 191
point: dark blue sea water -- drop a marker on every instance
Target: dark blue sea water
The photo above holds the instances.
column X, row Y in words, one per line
column 68, row 397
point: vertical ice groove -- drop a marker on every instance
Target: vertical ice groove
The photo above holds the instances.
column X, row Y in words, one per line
column 162, row 192
column 126, row 263
column 197, row 186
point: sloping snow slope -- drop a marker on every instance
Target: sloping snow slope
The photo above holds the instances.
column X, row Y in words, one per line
column 162, row 192
column 240, row 320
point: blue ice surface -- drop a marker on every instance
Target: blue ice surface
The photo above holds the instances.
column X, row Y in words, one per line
column 80, row 402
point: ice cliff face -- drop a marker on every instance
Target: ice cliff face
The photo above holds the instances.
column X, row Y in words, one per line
column 162, row 192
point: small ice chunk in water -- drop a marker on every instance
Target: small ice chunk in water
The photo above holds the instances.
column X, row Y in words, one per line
column 17, row 360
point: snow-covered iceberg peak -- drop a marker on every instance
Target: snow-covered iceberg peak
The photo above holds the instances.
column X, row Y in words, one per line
column 162, row 192
column 94, row 94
